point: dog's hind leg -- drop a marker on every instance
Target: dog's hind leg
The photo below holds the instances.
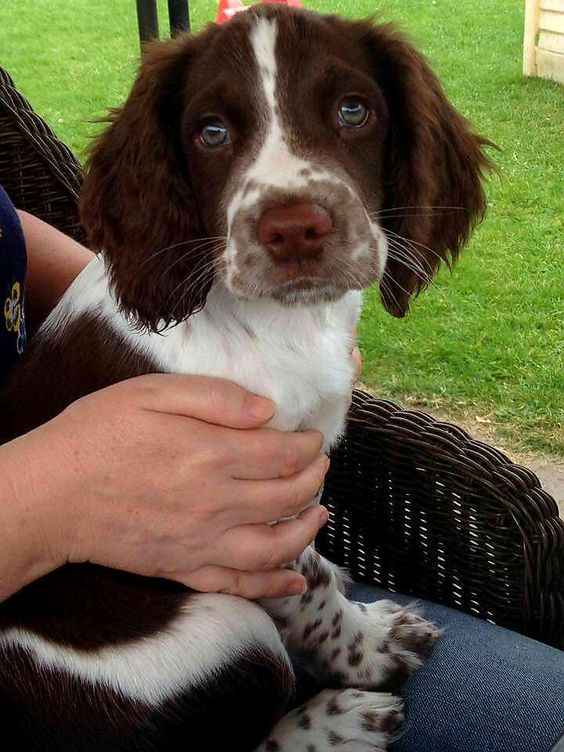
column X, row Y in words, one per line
column 216, row 677
column 344, row 720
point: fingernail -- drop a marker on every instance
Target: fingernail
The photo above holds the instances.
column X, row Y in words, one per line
column 260, row 408
column 323, row 516
column 297, row 586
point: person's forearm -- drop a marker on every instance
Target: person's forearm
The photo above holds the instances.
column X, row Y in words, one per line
column 24, row 553
column 54, row 260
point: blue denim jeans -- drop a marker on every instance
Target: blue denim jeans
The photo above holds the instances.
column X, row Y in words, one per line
column 483, row 689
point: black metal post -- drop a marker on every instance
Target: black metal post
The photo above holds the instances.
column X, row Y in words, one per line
column 179, row 16
column 148, row 20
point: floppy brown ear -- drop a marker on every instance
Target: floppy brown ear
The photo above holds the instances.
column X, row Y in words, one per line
column 433, row 169
column 137, row 204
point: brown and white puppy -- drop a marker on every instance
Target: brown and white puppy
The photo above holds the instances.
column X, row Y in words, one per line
column 258, row 176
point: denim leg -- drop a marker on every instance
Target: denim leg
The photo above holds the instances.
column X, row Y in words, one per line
column 483, row 689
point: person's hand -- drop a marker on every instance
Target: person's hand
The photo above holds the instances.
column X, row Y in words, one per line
column 172, row 476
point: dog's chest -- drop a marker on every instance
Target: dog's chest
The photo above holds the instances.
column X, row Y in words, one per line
column 300, row 358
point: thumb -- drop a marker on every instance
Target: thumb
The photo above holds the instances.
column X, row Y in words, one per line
column 208, row 399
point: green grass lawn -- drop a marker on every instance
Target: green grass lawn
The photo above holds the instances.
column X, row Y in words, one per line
column 485, row 341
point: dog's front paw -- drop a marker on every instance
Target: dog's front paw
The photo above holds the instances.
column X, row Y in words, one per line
column 376, row 644
column 345, row 720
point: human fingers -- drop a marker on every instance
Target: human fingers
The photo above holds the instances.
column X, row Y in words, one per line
column 258, row 501
column 277, row 583
column 265, row 547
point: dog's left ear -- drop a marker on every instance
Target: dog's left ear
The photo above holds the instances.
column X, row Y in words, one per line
column 433, row 167
column 137, row 203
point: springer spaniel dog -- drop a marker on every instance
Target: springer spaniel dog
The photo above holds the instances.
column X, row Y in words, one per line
column 258, row 176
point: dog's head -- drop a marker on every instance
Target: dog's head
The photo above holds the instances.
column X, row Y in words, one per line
column 287, row 154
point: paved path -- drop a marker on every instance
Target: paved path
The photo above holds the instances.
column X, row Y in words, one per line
column 551, row 475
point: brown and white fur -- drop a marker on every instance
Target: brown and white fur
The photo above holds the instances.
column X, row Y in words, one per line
column 93, row 659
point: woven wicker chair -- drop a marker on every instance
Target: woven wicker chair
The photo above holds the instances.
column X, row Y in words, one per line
column 417, row 505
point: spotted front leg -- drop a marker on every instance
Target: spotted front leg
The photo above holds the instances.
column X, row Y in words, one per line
column 351, row 644
column 343, row 720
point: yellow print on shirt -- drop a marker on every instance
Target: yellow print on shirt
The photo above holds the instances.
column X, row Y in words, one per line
column 13, row 315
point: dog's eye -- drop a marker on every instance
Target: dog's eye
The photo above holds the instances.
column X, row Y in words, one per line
column 353, row 114
column 214, row 133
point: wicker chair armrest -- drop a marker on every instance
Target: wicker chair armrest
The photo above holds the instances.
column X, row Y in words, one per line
column 420, row 507
column 40, row 174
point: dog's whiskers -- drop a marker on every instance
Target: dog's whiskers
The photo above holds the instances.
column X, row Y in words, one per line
column 177, row 245
column 207, row 246
column 400, row 253
column 415, row 211
column 206, row 271
column 412, row 242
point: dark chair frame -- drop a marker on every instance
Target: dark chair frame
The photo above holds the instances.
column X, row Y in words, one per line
column 418, row 506
column 148, row 21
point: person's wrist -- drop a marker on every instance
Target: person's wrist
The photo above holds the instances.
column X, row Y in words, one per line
column 33, row 511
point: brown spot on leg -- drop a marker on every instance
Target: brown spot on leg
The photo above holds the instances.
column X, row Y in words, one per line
column 322, row 637
column 334, row 739
column 336, row 622
column 370, row 721
column 310, row 628
column 391, row 721
column 317, row 574
column 336, row 633
column 411, row 638
column 337, row 618
column 304, row 722
column 333, row 707
column 355, row 657
column 356, row 641
column 384, row 647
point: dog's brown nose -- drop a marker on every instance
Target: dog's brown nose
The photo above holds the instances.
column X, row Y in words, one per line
column 293, row 233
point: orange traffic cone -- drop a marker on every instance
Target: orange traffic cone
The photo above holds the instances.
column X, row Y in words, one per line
column 227, row 9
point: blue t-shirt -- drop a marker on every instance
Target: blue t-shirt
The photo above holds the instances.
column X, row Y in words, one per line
column 13, row 260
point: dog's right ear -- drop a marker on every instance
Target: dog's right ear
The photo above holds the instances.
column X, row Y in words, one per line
column 433, row 171
column 137, row 204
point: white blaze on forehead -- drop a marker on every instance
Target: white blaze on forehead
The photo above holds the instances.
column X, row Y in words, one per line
column 275, row 165
column 263, row 42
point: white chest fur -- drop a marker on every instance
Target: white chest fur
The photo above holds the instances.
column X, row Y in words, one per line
column 298, row 357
